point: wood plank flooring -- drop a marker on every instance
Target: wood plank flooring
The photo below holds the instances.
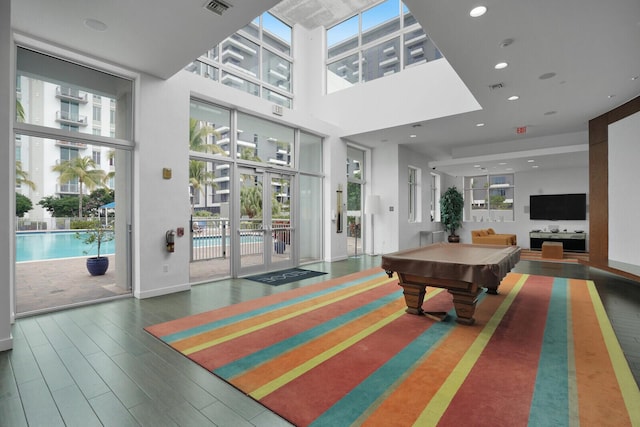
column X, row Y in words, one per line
column 95, row 365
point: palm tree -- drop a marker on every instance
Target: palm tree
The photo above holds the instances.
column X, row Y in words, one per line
column 198, row 136
column 248, row 153
column 199, row 177
column 22, row 176
column 19, row 111
column 85, row 171
column 251, row 200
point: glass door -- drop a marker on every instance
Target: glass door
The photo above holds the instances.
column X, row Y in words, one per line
column 264, row 238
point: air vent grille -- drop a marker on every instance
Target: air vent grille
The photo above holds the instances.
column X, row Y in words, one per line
column 217, row 6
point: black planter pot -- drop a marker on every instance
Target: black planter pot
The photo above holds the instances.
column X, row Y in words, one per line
column 97, row 266
column 453, row 238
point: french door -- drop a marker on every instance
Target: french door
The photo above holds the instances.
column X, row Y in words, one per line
column 265, row 235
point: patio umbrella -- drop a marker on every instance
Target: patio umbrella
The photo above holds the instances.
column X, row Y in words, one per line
column 111, row 205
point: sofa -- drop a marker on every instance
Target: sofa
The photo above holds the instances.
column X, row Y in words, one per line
column 489, row 237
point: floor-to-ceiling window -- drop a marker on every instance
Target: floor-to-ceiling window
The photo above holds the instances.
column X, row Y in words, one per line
column 310, row 193
column 375, row 43
column 67, row 191
column 355, row 186
column 257, row 59
column 256, row 193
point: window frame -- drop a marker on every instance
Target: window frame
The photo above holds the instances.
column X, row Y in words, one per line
column 489, row 188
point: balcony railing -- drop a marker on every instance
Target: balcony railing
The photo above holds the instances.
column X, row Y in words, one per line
column 71, row 94
column 61, row 143
column 71, row 118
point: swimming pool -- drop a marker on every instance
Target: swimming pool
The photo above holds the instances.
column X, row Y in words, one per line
column 35, row 246
column 51, row 245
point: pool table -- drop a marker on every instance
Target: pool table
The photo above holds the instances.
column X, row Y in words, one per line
column 463, row 269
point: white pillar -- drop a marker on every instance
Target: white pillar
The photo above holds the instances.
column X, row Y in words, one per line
column 7, row 176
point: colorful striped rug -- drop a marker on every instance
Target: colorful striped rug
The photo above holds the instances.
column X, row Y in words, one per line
column 343, row 352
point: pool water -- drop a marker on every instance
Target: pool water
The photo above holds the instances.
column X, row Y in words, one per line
column 40, row 246
column 52, row 245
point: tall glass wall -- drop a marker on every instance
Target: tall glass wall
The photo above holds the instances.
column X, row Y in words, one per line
column 310, row 224
column 257, row 60
column 73, row 161
column 377, row 42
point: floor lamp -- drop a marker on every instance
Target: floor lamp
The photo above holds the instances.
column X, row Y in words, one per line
column 372, row 207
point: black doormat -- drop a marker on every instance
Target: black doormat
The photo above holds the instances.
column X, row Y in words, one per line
column 277, row 278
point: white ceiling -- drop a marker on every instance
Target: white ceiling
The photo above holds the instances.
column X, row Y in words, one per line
column 593, row 47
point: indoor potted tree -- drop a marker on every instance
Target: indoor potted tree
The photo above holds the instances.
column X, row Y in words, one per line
column 95, row 235
column 451, row 205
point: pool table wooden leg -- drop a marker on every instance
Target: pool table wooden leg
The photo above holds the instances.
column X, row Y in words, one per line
column 414, row 297
column 465, row 305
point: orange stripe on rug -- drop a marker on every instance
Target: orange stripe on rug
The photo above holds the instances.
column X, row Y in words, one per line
column 600, row 398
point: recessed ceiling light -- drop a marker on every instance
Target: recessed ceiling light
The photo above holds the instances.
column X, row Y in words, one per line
column 502, row 163
column 479, row 124
column 478, row 11
column 501, row 65
column 611, row 96
column 535, row 166
column 95, row 25
column 509, row 169
column 513, row 97
column 476, row 166
column 546, row 76
column 412, row 136
column 530, row 161
column 635, row 77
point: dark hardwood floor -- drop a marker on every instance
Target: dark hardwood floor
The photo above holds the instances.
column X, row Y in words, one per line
column 95, row 365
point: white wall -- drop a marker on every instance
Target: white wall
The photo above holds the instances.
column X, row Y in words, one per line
column 551, row 181
column 384, row 182
column 7, row 178
column 160, row 204
column 409, row 232
column 430, row 90
column 624, row 198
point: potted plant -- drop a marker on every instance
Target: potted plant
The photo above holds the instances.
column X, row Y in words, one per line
column 451, row 205
column 95, row 235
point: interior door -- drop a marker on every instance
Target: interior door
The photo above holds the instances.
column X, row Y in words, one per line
column 265, row 235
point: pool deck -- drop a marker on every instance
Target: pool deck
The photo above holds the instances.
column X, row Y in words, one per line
column 42, row 285
column 53, row 284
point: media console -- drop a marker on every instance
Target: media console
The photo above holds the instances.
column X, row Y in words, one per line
column 576, row 242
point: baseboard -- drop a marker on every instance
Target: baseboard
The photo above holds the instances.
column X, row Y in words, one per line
column 162, row 291
column 6, row 344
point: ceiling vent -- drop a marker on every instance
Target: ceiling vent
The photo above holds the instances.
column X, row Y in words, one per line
column 496, row 86
column 217, row 6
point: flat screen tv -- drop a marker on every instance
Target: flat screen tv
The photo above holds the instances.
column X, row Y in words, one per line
column 556, row 207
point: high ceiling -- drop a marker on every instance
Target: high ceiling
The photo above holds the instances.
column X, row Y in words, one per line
column 569, row 61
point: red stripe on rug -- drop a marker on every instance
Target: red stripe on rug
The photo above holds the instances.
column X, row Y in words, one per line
column 227, row 352
column 347, row 369
column 183, row 323
column 515, row 348
column 404, row 404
